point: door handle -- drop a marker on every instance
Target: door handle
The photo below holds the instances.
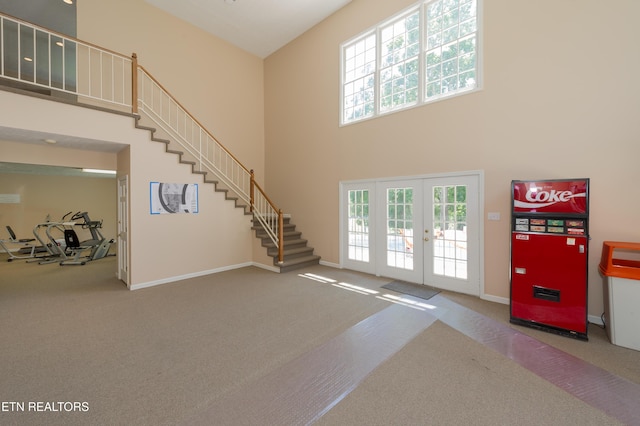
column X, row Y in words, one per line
column 426, row 231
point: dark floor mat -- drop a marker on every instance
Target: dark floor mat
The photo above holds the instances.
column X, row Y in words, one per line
column 417, row 290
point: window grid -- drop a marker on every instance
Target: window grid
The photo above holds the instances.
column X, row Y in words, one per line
column 450, row 230
column 400, row 228
column 427, row 53
column 400, row 58
column 359, row 79
column 358, row 225
column 450, row 46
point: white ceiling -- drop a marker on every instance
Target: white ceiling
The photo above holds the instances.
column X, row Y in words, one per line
column 258, row 26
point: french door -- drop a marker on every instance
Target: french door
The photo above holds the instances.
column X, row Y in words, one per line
column 451, row 237
column 422, row 230
column 399, row 226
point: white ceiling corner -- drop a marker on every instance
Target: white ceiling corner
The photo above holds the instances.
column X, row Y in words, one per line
column 259, row 27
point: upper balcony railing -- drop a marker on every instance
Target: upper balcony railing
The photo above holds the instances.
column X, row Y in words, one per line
column 41, row 60
column 63, row 65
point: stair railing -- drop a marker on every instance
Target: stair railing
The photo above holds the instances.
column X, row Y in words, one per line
column 207, row 153
column 63, row 66
column 89, row 74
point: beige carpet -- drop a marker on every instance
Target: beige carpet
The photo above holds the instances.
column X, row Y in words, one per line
column 162, row 355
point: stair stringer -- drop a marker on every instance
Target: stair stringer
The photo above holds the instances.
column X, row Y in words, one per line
column 183, row 158
column 297, row 254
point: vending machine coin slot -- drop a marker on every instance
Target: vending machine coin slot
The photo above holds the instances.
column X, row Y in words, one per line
column 546, row 294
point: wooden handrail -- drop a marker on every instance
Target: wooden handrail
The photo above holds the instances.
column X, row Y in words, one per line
column 136, row 68
column 134, row 83
column 251, row 191
column 193, row 118
column 253, row 184
column 280, row 237
column 273, row 206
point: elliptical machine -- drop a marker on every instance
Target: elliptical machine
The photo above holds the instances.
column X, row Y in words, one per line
column 98, row 244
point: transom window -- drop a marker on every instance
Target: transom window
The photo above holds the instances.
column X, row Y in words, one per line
column 426, row 53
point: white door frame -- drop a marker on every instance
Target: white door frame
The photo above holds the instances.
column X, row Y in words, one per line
column 372, row 266
column 123, row 229
column 392, row 247
column 368, row 264
column 453, row 252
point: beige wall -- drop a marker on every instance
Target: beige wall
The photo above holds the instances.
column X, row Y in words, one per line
column 55, row 196
column 162, row 248
column 219, row 84
column 222, row 86
column 560, row 99
column 167, row 246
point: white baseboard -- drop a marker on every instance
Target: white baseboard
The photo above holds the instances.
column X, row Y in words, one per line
column 193, row 275
column 594, row 319
column 496, row 299
column 330, row 264
column 267, row 267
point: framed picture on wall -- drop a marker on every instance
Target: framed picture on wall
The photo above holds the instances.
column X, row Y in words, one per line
column 169, row 198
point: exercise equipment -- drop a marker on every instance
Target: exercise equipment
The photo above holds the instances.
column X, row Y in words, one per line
column 64, row 245
column 27, row 250
column 54, row 246
column 98, row 244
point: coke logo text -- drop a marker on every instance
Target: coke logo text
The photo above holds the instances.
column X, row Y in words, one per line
column 552, row 196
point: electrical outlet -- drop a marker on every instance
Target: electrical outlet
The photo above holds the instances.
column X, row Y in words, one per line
column 493, row 216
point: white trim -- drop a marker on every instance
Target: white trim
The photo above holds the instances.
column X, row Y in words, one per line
column 479, row 174
column 366, row 267
column 594, row 319
column 495, row 299
column 421, row 7
column 481, row 216
column 266, row 267
column 424, row 176
column 192, row 275
column 331, row 264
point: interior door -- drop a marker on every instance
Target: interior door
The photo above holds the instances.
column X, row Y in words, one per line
column 123, row 229
column 451, row 234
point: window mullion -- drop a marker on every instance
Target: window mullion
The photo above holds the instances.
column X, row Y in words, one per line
column 438, row 59
column 422, row 58
column 376, row 90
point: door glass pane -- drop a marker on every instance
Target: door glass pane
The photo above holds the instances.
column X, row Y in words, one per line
column 450, row 231
column 400, row 228
column 358, row 225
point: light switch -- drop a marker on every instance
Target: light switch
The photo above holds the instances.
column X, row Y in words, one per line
column 494, row 216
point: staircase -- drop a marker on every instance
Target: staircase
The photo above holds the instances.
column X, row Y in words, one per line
column 296, row 252
column 130, row 89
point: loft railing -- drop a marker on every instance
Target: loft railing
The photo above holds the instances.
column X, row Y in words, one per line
column 64, row 66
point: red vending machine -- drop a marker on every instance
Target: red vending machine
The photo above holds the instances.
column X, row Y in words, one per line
column 549, row 242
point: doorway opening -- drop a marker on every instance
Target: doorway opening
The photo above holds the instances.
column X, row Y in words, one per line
column 424, row 229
